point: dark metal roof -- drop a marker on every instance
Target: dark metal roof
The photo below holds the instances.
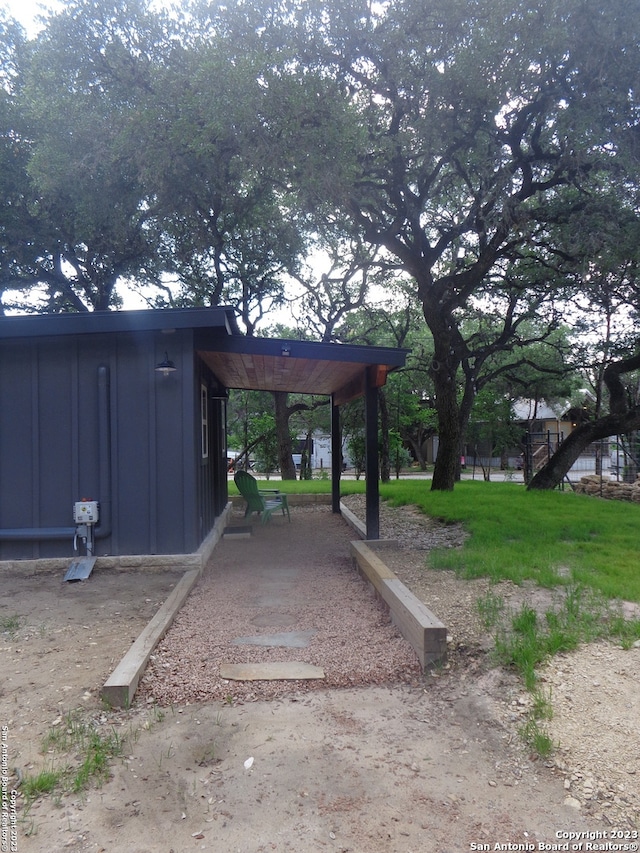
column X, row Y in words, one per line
column 260, row 364
column 96, row 322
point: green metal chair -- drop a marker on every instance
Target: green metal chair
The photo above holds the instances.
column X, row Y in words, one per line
column 262, row 501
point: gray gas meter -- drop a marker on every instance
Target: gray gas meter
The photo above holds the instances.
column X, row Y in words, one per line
column 86, row 515
column 86, row 512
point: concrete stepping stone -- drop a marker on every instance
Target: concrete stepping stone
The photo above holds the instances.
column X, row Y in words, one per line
column 276, row 671
column 236, row 532
column 286, row 639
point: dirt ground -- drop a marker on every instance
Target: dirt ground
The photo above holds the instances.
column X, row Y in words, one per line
column 434, row 764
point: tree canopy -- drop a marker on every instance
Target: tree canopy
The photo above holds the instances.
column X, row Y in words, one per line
column 481, row 156
column 478, row 129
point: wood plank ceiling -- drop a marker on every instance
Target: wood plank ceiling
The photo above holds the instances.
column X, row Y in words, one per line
column 259, row 372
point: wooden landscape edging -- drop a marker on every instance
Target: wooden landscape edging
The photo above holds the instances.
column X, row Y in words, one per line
column 418, row 625
column 119, row 689
column 353, row 521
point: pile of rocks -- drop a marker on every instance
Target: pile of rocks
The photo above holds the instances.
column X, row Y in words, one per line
column 610, row 489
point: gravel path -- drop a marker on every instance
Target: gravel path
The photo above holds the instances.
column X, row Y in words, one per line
column 261, row 586
column 409, row 763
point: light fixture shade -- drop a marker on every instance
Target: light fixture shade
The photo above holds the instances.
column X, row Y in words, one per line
column 166, row 367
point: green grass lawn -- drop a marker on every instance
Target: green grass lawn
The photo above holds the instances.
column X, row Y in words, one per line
column 306, row 487
column 550, row 537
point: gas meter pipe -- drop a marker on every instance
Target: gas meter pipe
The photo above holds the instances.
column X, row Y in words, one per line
column 103, row 528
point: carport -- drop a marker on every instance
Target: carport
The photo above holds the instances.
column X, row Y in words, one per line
column 340, row 371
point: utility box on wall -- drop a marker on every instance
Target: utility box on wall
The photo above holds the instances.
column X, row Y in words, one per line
column 86, row 512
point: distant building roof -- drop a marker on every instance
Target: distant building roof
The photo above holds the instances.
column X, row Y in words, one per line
column 540, row 410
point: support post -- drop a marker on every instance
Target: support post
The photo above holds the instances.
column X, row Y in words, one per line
column 336, row 456
column 371, row 458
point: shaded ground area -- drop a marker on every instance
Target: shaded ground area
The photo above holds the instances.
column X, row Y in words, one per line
column 367, row 770
column 415, row 764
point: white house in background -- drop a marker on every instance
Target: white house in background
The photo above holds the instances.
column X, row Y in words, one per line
column 321, row 456
column 321, row 451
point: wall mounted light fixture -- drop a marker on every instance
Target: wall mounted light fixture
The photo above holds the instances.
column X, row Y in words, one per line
column 166, row 367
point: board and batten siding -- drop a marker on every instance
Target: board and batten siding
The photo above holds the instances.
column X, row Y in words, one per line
column 51, row 439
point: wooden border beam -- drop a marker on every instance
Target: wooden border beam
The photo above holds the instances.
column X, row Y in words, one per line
column 424, row 632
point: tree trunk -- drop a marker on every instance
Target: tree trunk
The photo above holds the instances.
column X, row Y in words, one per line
column 285, row 449
column 418, row 452
column 556, row 469
column 306, row 472
column 448, row 347
column 448, row 458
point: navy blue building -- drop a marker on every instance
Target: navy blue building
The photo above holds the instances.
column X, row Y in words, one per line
column 85, row 413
